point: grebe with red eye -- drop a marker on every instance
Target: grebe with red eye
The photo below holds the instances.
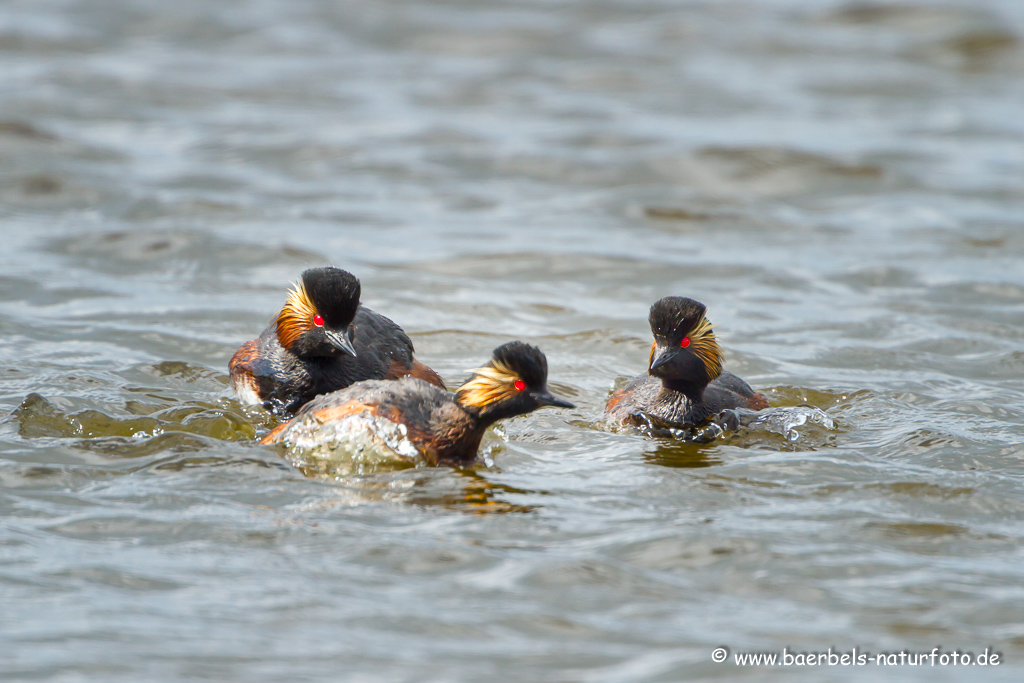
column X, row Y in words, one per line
column 321, row 340
column 685, row 383
column 439, row 426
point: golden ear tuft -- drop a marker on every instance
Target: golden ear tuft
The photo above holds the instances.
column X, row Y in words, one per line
column 492, row 383
column 705, row 346
column 296, row 316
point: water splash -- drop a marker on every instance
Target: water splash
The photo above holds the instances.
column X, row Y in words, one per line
column 789, row 422
column 786, row 421
column 358, row 444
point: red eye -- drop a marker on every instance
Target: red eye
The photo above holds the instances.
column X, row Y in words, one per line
column 519, row 385
column 685, row 342
column 318, row 320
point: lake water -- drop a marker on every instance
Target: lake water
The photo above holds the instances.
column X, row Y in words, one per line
column 842, row 184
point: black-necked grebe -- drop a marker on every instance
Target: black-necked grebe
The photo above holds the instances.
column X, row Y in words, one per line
column 320, row 341
column 684, row 384
column 440, row 426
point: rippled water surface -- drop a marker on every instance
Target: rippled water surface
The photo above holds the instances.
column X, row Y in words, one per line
column 841, row 184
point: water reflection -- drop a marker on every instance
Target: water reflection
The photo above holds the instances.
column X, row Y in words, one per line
column 674, row 453
column 39, row 418
column 474, row 492
column 457, row 490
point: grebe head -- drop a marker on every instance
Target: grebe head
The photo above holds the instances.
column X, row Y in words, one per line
column 317, row 318
column 514, row 382
column 684, row 351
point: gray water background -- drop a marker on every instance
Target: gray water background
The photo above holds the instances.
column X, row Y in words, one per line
column 840, row 183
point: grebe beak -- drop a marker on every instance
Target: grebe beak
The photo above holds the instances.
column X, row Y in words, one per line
column 665, row 357
column 546, row 398
column 340, row 341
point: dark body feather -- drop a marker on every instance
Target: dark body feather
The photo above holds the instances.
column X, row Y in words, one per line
column 647, row 401
column 440, row 429
column 283, row 381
